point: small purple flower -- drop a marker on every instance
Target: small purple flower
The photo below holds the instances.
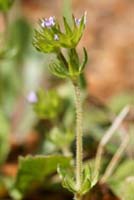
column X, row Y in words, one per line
column 56, row 37
column 32, row 97
column 52, row 20
column 48, row 22
column 77, row 21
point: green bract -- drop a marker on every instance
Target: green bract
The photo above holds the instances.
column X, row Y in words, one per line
column 50, row 38
column 68, row 180
column 71, row 67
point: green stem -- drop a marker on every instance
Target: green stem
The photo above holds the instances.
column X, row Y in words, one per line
column 79, row 145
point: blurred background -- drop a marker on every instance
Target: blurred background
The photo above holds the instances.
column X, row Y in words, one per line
column 108, row 78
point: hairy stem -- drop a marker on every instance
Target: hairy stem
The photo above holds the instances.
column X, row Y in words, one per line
column 79, row 145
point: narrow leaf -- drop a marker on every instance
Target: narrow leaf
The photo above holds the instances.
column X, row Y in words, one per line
column 82, row 66
column 67, row 27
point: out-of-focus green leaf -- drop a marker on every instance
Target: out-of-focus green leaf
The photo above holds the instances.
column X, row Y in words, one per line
column 83, row 82
column 60, row 139
column 67, row 11
column 5, row 5
column 121, row 182
column 4, row 138
column 127, row 189
column 12, row 63
column 124, row 170
column 19, row 37
column 67, row 177
column 48, row 105
column 96, row 116
column 7, row 54
column 35, row 170
column 118, row 102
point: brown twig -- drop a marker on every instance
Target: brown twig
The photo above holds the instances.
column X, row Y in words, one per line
column 115, row 160
column 107, row 136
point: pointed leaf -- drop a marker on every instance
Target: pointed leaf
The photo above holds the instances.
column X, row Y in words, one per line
column 67, row 27
column 82, row 66
column 86, row 186
column 61, row 171
column 58, row 70
column 69, row 183
column 94, row 179
column 73, row 59
column 74, row 22
column 86, row 172
column 67, row 178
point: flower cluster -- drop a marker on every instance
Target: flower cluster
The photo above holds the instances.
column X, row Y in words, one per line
column 47, row 23
column 49, row 38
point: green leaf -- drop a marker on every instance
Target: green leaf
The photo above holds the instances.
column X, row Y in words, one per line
column 69, row 183
column 5, row 5
column 86, row 172
column 67, row 27
column 58, row 70
column 67, row 178
column 127, row 189
column 118, row 102
column 49, row 104
column 62, row 139
column 4, row 138
column 83, row 64
column 73, row 61
column 86, row 183
column 123, row 171
column 20, row 38
column 121, row 182
column 35, row 170
column 88, row 180
column 6, row 54
column 86, row 186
